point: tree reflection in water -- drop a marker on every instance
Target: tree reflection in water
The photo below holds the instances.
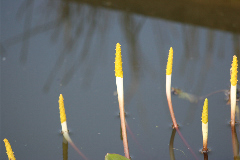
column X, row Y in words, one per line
column 87, row 26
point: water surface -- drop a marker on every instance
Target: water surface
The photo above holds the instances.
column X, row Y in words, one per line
column 51, row 48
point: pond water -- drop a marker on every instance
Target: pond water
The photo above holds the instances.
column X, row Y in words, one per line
column 50, row 48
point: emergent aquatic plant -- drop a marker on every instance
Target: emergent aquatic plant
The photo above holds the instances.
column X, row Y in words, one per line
column 168, row 94
column 205, row 125
column 63, row 120
column 233, row 89
column 9, row 150
column 119, row 83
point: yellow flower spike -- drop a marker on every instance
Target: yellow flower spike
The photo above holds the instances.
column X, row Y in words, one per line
column 234, row 71
column 205, row 112
column 9, row 150
column 63, row 117
column 118, row 62
column 169, row 63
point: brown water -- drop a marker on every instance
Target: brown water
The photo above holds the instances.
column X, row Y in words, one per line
column 48, row 48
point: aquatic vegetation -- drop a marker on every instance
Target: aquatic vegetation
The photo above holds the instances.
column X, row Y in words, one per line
column 205, row 125
column 195, row 99
column 183, row 95
column 115, row 157
column 233, row 88
column 63, row 117
column 119, row 83
column 228, row 95
column 9, row 150
column 169, row 90
column 168, row 94
column 168, row 86
column 63, row 120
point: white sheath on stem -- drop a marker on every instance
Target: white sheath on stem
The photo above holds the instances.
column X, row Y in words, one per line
column 233, row 103
column 205, row 135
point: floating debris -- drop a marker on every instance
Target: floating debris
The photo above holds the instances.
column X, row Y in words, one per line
column 228, row 98
column 191, row 98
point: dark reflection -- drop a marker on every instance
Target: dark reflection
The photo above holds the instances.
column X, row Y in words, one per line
column 190, row 39
column 65, row 149
column 88, row 22
column 235, row 144
column 135, row 140
column 131, row 28
column 205, row 156
column 71, row 43
column 236, row 44
column 143, row 117
column 214, row 14
column 193, row 99
column 28, row 7
column 26, row 35
column 87, row 26
column 121, row 137
column 184, row 141
column 171, row 147
column 93, row 20
column 53, row 72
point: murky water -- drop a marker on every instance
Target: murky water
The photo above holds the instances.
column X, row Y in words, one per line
column 48, row 48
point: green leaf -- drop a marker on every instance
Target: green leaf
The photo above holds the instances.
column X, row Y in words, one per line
column 111, row 156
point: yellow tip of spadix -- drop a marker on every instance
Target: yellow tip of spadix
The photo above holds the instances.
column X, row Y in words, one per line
column 63, row 117
column 234, row 71
column 205, row 112
column 169, row 63
column 118, row 62
column 9, row 150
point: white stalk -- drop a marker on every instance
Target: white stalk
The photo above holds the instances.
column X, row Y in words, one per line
column 168, row 85
column 119, row 83
column 205, row 135
column 233, row 103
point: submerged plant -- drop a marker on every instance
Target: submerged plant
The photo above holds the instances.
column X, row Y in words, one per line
column 184, row 95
